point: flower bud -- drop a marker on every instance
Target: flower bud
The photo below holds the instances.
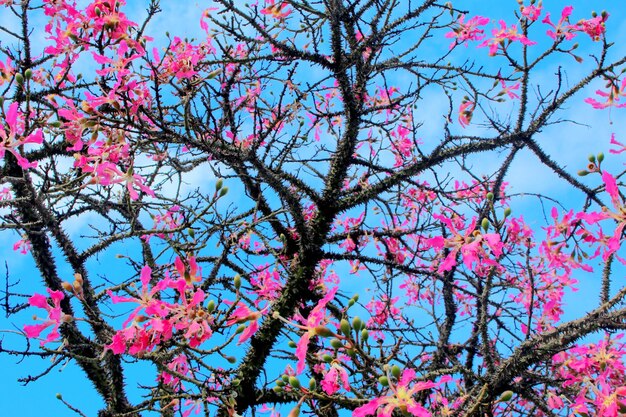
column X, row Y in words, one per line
column 237, row 281
column 210, row 306
column 507, row 212
column 485, row 224
column 240, row 328
column 223, row 191
column 600, row 157
column 336, row 343
column 384, row 381
column 344, row 325
column 365, row 335
column 323, row 331
column 327, row 358
column 294, row 382
column 19, row 78
column 591, row 158
column 219, row 184
column 59, row 396
column 231, row 359
column 285, row 377
column 292, row 344
column 490, row 196
column 312, row 384
column 396, row 371
column 357, row 323
column 277, row 389
column 350, row 302
column 583, row 172
column 506, row 396
column 280, row 383
column 28, row 74
column 67, row 286
column 235, row 382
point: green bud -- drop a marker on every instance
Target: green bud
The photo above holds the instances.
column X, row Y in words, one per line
column 292, row 344
column 312, row 384
column 600, row 157
column 223, row 191
column 231, row 359
column 355, row 297
column 506, row 396
column 1, row 101
column 294, row 382
column 357, row 323
column 336, row 343
column 592, row 158
column 56, row 123
column 235, row 382
column 28, row 74
column 365, row 335
column 240, row 328
column 210, row 307
column 583, row 172
column 285, row 378
column 327, row 358
column 219, row 184
column 490, row 196
column 191, row 232
column 59, row 396
column 507, row 212
column 19, row 78
column 384, row 381
column 277, row 389
column 280, row 383
column 350, row 303
column 344, row 325
column 485, row 224
column 396, row 371
column 351, row 352
column 237, row 281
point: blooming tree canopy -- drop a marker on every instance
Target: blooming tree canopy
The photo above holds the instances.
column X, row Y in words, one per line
column 308, row 209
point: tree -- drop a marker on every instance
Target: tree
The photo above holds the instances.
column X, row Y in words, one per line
column 297, row 227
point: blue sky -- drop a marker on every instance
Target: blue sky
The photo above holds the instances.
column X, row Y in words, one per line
column 571, row 142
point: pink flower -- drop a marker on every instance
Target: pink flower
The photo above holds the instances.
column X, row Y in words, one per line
column 55, row 316
column 277, row 11
column 531, row 12
column 12, row 139
column 562, row 28
column 612, row 97
column 467, row 31
column 401, row 396
column 335, row 378
column 503, row 34
column 316, row 318
column 594, row 27
column 466, row 111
